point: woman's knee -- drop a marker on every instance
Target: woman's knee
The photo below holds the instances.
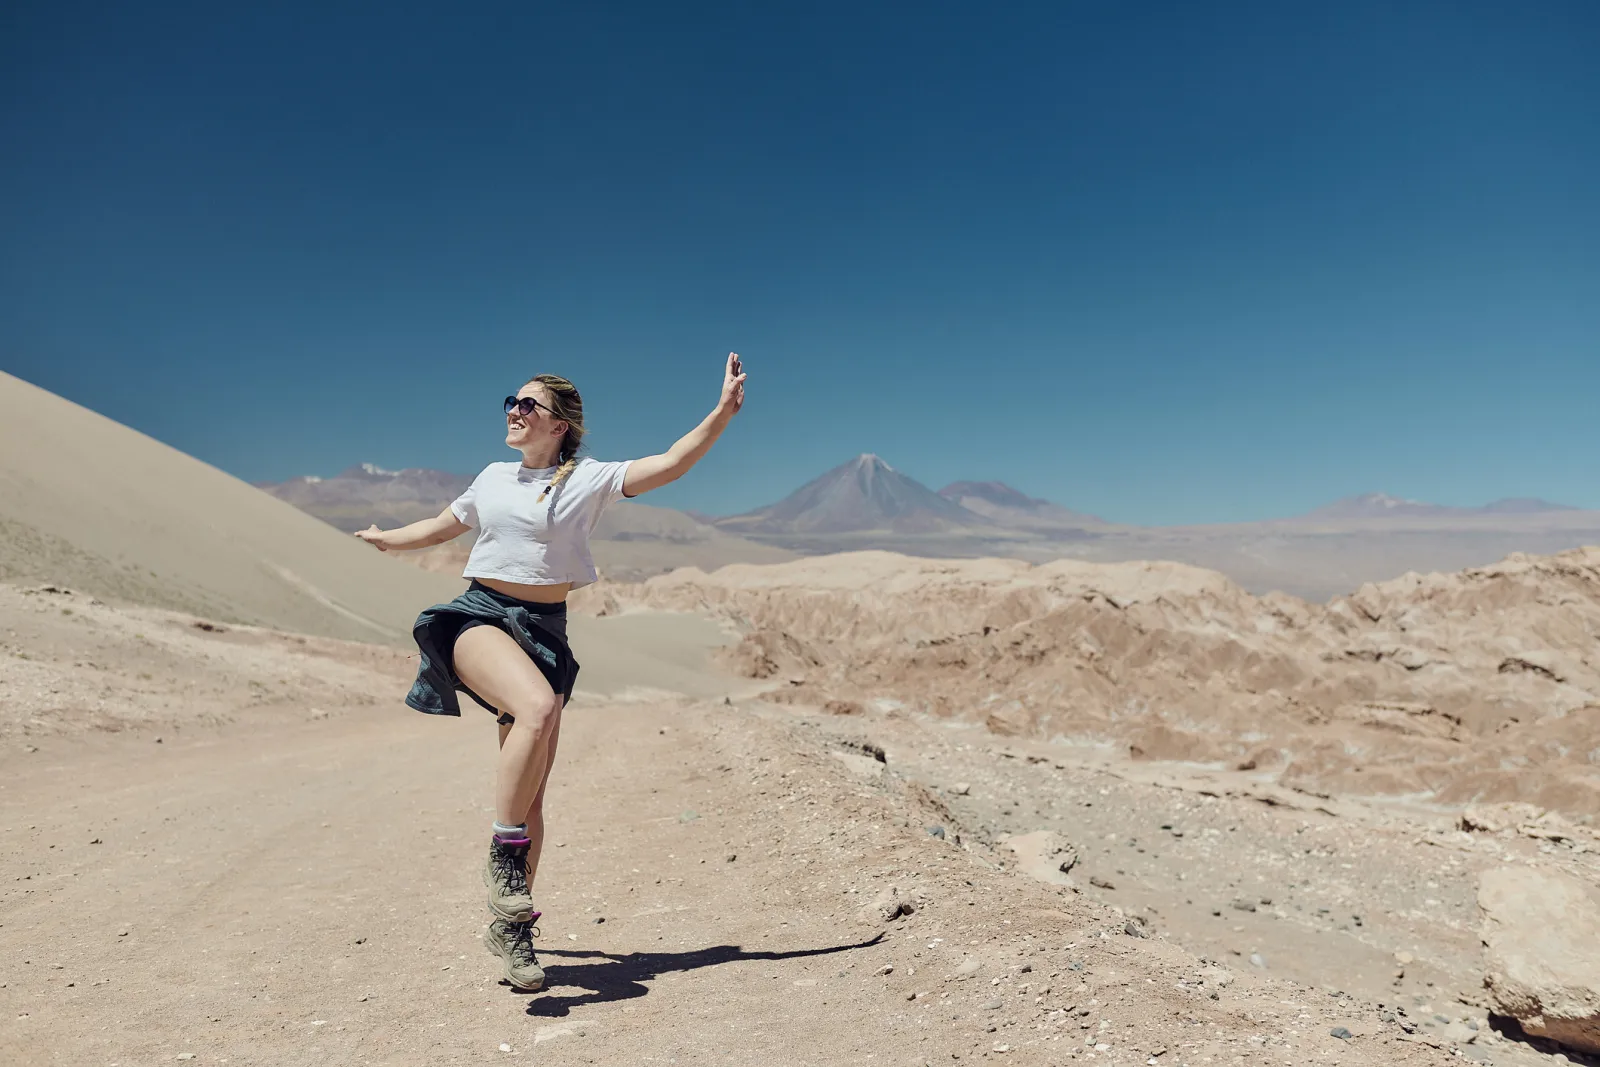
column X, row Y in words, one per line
column 537, row 711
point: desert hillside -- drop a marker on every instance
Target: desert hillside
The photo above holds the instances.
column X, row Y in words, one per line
column 1478, row 685
column 93, row 505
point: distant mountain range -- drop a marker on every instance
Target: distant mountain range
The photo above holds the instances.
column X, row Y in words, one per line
column 1381, row 505
column 1002, row 505
column 867, row 504
column 632, row 541
column 365, row 494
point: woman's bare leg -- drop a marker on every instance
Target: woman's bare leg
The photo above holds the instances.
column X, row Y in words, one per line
column 535, row 816
column 494, row 666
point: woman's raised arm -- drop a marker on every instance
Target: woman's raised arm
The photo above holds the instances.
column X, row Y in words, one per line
column 424, row 533
column 652, row 472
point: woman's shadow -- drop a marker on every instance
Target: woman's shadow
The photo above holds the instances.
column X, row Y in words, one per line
column 623, row 976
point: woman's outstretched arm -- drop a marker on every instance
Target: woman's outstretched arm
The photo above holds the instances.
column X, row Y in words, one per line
column 652, row 472
column 422, row 534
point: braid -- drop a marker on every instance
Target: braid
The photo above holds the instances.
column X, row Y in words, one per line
column 563, row 472
column 565, row 403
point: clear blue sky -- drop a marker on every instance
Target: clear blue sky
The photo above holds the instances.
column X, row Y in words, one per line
column 1165, row 262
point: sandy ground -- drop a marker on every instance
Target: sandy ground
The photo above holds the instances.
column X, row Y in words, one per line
column 280, row 882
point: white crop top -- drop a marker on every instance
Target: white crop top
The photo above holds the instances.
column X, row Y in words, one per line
column 524, row 539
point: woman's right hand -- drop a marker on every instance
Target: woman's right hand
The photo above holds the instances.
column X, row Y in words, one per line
column 374, row 537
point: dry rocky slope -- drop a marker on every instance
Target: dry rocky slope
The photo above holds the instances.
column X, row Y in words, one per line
column 1319, row 790
column 1477, row 686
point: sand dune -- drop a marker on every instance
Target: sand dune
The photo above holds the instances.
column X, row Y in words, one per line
column 94, row 505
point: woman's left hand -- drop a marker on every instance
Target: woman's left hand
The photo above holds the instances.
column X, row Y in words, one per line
column 733, row 385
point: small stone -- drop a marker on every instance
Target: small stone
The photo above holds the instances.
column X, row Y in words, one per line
column 1134, row 928
column 966, row 969
column 994, row 1005
column 732, row 856
column 1341, row 1033
column 504, row 1047
column 689, row 816
column 599, row 919
column 1100, row 883
column 1258, row 960
column 911, row 996
column 936, row 831
column 570, row 937
column 1001, row 1048
column 96, row 841
column 887, row 968
column 961, row 789
column 185, row 1056
column 1404, row 959
column 1244, row 905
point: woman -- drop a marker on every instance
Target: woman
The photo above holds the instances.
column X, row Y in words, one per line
column 503, row 641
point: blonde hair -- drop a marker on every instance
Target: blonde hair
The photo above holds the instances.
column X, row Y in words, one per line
column 566, row 405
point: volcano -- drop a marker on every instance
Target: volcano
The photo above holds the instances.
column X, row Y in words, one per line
column 863, row 494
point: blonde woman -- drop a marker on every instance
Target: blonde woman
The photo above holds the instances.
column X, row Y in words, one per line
column 503, row 641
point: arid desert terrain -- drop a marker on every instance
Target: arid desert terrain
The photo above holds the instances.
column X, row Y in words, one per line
column 860, row 808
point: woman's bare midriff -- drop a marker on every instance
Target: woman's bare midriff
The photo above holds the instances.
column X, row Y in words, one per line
column 538, row 594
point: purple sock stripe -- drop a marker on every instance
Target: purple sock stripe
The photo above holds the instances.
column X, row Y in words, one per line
column 514, row 842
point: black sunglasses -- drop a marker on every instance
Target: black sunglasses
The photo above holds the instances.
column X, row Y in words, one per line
column 524, row 405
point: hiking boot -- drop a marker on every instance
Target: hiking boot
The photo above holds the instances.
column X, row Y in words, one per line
column 513, row 943
column 506, row 875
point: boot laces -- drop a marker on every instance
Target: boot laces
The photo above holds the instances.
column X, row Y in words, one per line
column 519, row 938
column 509, row 869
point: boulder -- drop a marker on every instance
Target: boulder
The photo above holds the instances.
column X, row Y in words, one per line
column 1541, row 933
column 1493, row 818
